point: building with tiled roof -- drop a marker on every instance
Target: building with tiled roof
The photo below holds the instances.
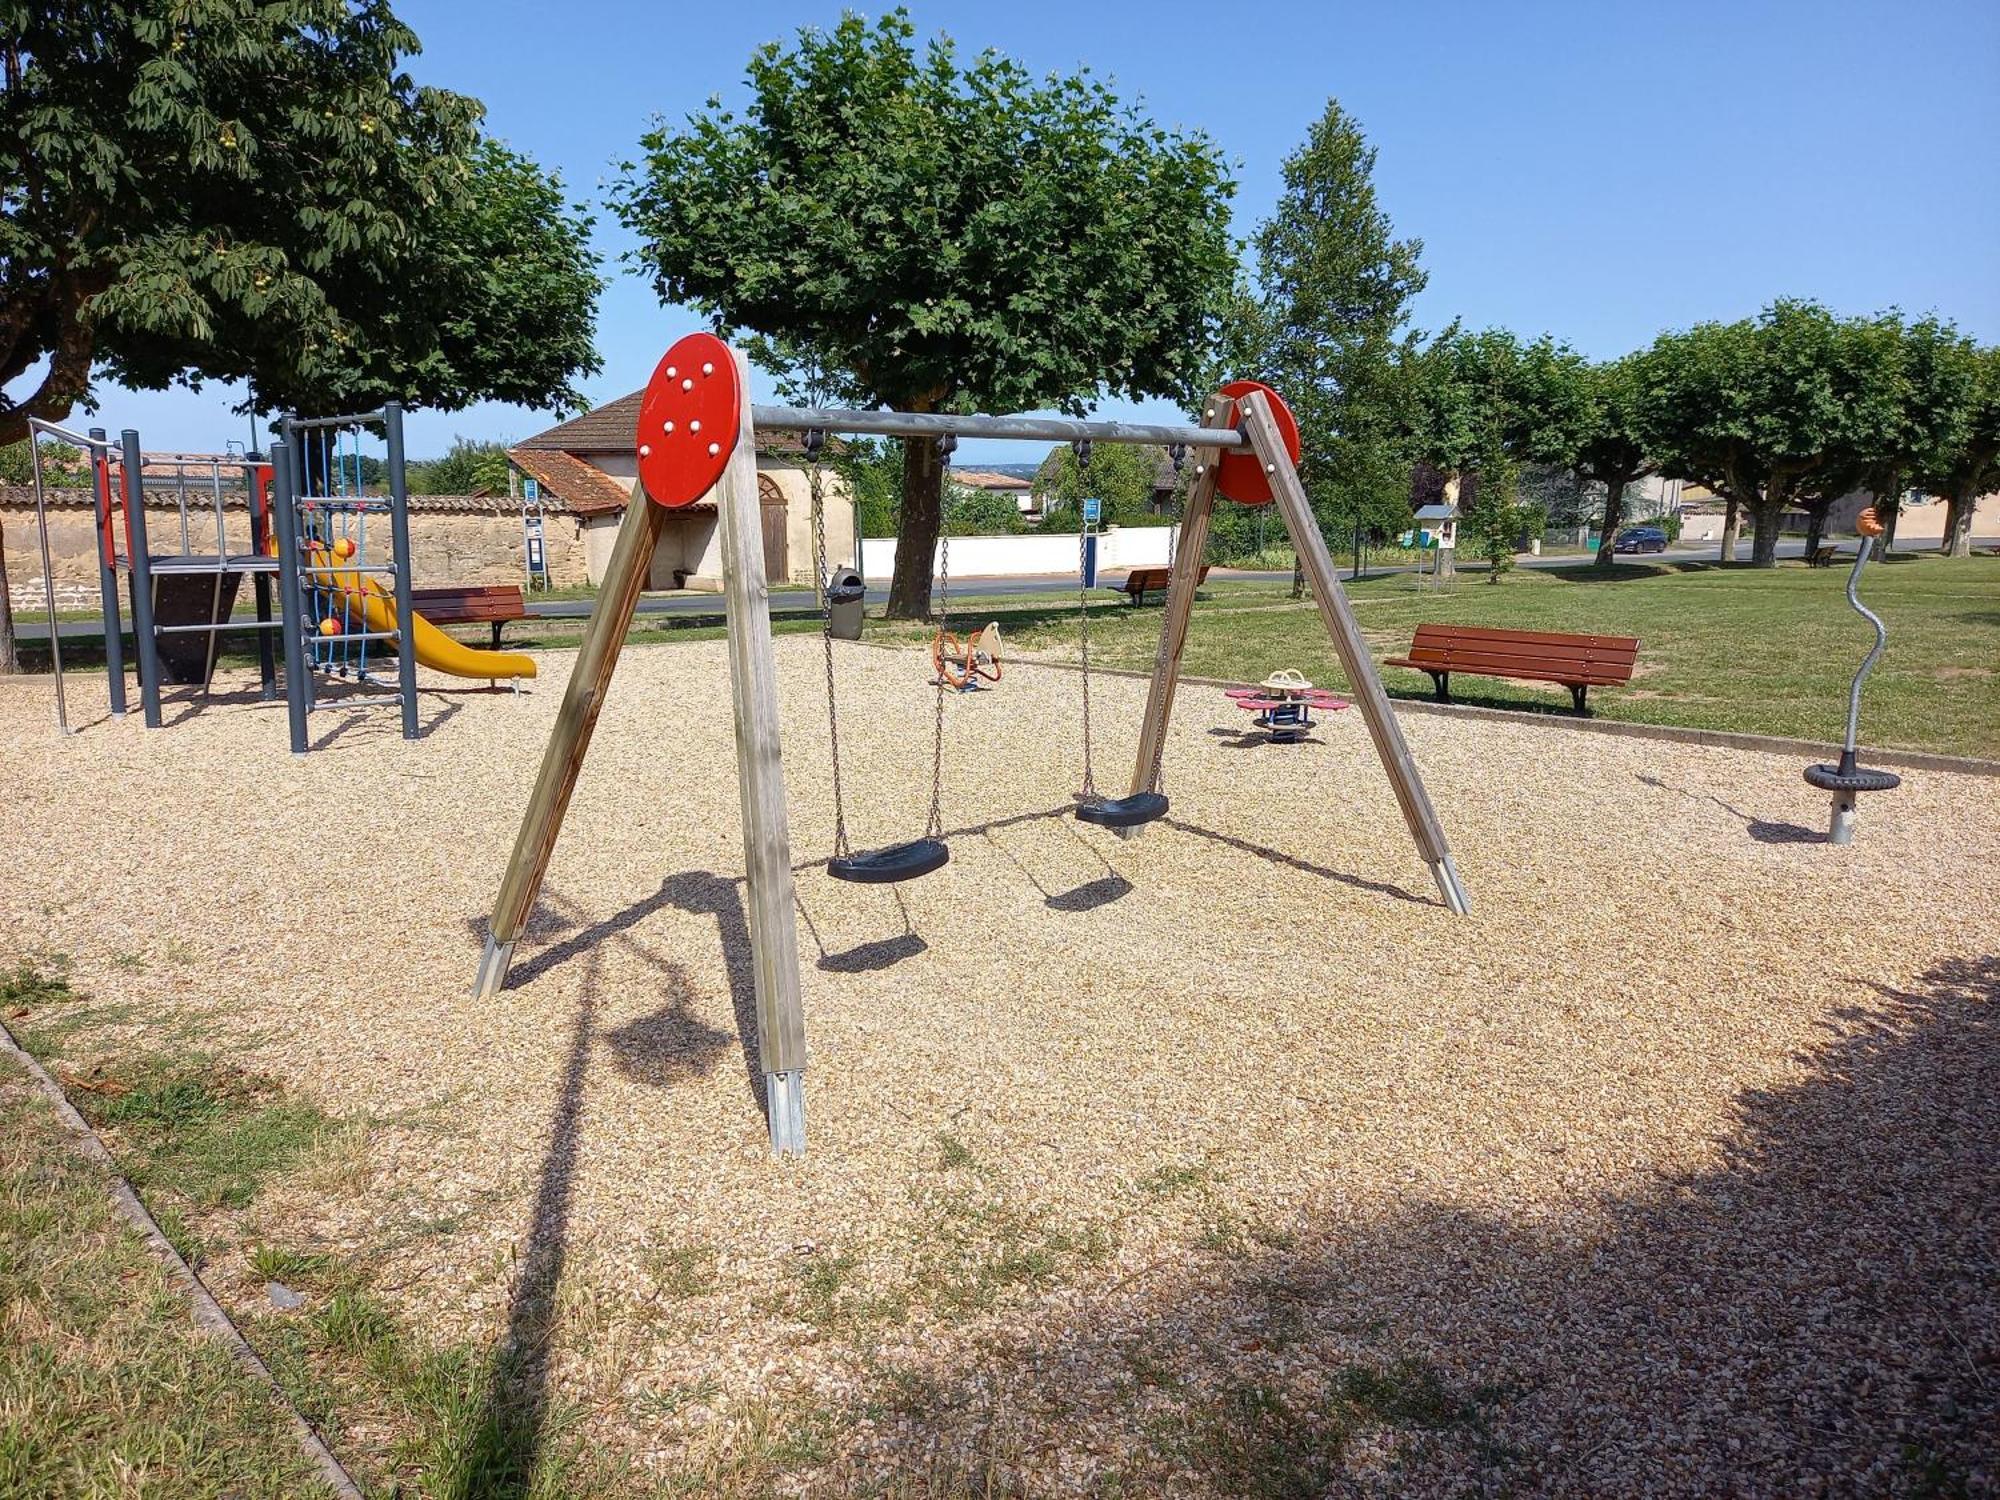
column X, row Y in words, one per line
column 589, row 468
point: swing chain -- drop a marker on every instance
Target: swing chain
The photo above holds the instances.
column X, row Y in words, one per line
column 813, row 441
column 934, row 824
column 1081, row 448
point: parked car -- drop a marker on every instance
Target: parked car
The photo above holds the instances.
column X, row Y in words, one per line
column 1640, row 539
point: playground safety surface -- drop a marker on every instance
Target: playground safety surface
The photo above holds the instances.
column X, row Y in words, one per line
column 1220, row 1161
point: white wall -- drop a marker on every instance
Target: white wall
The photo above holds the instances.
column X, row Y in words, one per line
column 1119, row 548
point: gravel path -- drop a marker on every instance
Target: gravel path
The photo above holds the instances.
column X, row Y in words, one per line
column 1223, row 1161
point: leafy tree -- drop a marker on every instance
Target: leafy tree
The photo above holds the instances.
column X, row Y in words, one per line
column 1611, row 448
column 976, row 512
column 873, row 469
column 1332, row 296
column 63, row 465
column 904, row 229
column 1970, row 468
column 1767, row 411
column 1937, row 390
column 468, row 467
column 1494, row 516
column 206, row 190
column 1120, row 475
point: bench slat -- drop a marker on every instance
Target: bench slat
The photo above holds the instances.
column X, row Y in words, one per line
column 1448, row 633
column 1474, row 656
column 1524, row 670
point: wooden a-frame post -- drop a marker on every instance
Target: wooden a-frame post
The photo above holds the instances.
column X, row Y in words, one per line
column 1261, row 427
column 760, row 773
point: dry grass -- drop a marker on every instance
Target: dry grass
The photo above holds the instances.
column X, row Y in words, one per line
column 1220, row 1162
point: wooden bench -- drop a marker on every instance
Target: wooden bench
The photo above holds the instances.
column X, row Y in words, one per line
column 1143, row 581
column 473, row 604
column 1578, row 662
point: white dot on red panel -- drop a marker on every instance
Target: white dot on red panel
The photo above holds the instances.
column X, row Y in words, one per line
column 687, row 385
column 713, row 449
column 645, row 451
column 708, row 369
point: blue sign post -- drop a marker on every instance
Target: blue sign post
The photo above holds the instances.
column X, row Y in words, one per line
column 534, row 547
column 1093, row 508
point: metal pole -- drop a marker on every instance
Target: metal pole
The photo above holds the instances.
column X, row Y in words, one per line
column 399, row 538
column 291, row 609
column 48, row 581
column 259, row 501
column 145, row 643
column 1868, row 663
column 107, row 572
column 940, row 424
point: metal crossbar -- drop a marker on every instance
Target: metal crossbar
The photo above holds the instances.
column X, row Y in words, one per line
column 944, row 424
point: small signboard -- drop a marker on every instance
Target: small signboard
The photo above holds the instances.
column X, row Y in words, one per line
column 1093, row 508
column 537, row 550
column 531, row 490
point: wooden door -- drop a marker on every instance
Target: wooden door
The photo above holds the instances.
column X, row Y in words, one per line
column 775, row 515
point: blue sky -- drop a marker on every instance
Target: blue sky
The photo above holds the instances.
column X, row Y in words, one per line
column 1599, row 171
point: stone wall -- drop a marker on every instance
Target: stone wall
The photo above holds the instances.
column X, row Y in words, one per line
column 452, row 540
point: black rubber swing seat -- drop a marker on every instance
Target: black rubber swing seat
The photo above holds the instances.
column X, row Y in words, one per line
column 1124, row 812
column 1834, row 779
column 888, row 866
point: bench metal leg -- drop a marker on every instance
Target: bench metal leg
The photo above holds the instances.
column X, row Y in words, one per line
column 1441, row 681
column 1576, row 694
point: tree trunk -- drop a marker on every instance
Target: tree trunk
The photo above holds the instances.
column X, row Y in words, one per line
column 1614, row 517
column 1764, row 549
column 1732, row 522
column 1957, row 540
column 1888, row 514
column 916, row 536
column 1816, row 525
column 10, row 660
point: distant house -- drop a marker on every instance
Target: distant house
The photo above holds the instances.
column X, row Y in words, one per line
column 590, row 464
column 1016, row 487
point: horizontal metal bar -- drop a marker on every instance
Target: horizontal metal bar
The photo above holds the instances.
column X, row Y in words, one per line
column 352, row 419
column 348, row 637
column 218, row 629
column 941, row 424
column 63, row 434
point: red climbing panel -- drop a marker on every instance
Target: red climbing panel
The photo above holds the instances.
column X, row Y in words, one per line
column 1240, row 475
column 689, row 421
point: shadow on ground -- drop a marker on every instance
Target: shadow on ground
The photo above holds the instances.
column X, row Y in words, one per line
column 1818, row 1312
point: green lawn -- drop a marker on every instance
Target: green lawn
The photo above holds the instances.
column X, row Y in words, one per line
column 1767, row 651
column 1764, row 651
column 106, row 1387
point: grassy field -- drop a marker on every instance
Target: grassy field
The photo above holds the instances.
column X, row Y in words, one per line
column 1763, row 651
column 1766, row 651
column 106, row 1388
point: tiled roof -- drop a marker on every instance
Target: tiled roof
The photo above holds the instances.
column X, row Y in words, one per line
column 611, row 429
column 585, row 489
column 983, row 479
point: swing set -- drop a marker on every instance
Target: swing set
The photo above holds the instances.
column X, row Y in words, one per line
column 697, row 434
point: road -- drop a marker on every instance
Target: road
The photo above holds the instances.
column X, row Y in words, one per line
column 28, row 627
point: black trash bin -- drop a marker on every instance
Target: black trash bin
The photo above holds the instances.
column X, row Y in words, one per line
column 843, row 599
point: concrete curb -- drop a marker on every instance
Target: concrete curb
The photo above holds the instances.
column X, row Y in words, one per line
column 208, row 1313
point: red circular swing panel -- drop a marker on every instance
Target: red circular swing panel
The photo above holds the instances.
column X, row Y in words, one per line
column 688, row 421
column 1239, row 473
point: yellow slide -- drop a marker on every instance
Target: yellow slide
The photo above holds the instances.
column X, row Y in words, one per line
column 376, row 607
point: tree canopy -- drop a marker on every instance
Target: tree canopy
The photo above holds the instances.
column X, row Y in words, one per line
column 200, row 189
column 207, row 190
column 1971, row 469
column 897, row 226
column 1332, row 294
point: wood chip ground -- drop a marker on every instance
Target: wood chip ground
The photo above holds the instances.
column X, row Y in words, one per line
column 1220, row 1161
